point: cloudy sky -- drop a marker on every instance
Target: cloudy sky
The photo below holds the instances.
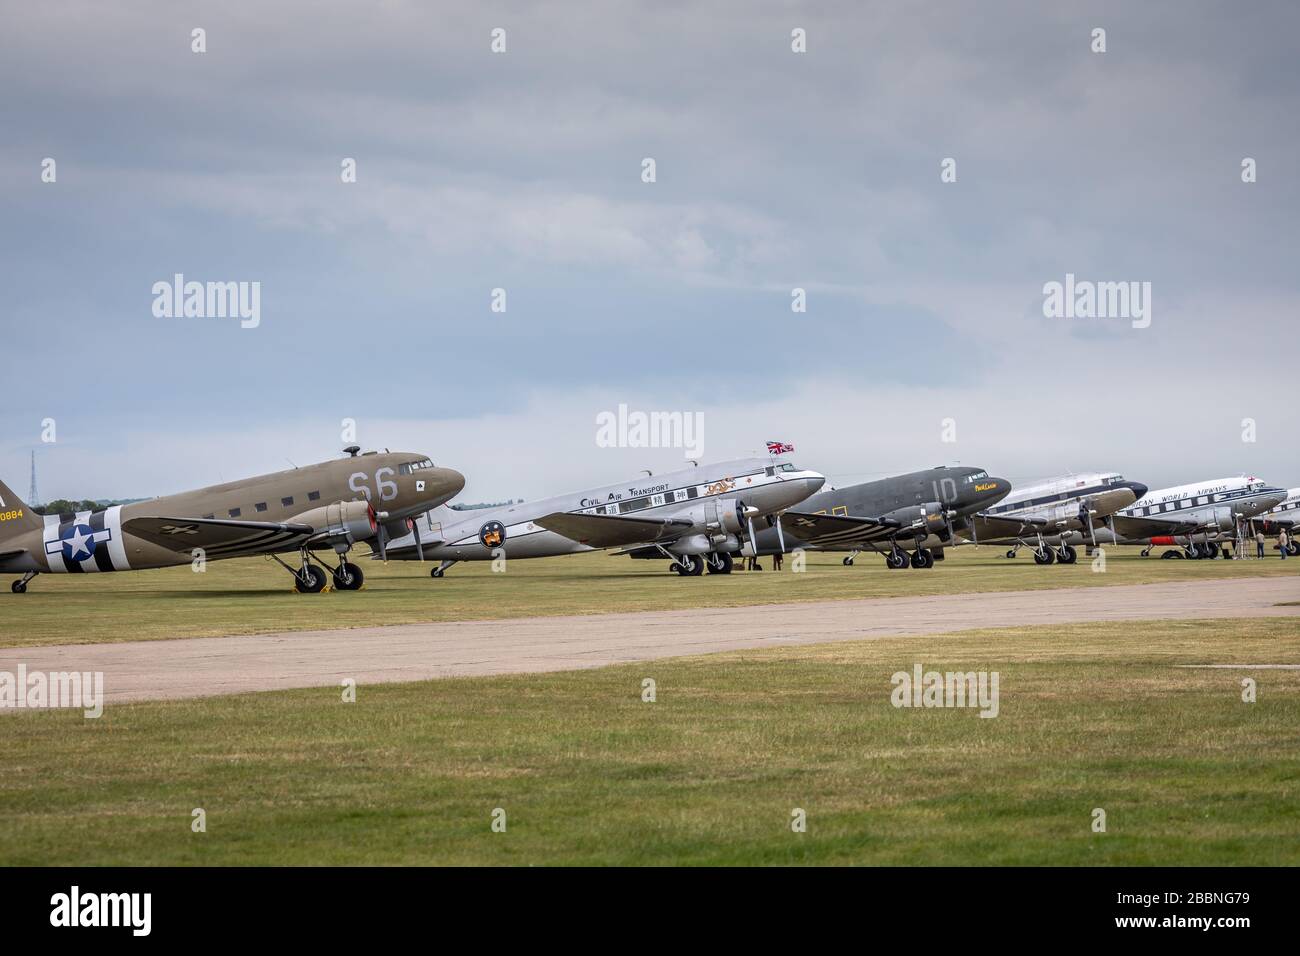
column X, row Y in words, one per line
column 522, row 170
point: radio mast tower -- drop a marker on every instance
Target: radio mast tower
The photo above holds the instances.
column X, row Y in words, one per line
column 31, row 495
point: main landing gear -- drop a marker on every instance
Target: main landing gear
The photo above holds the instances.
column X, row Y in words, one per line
column 20, row 586
column 311, row 578
column 688, row 565
column 719, row 562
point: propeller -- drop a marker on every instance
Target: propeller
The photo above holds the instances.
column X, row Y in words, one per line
column 1085, row 519
column 745, row 516
column 780, row 535
column 382, row 534
column 415, row 530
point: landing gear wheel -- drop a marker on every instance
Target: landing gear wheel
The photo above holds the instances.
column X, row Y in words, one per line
column 1067, row 555
column 696, row 567
column 1173, row 554
column 311, row 580
column 1011, row 554
column 848, row 562
column 1212, row 549
column 1194, row 551
column 896, row 559
column 720, row 562
column 348, row 577
column 1046, row 556
column 922, row 558
column 1293, row 549
column 1146, row 552
column 18, row 587
column 436, row 572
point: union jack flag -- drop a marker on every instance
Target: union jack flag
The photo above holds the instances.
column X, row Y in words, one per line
column 778, row 448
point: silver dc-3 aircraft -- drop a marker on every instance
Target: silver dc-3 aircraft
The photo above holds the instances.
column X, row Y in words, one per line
column 1177, row 516
column 700, row 516
column 1047, row 515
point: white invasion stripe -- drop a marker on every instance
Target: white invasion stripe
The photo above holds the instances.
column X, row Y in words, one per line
column 116, row 544
column 49, row 535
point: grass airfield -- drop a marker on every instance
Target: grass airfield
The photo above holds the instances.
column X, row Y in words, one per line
column 1094, row 716
column 255, row 596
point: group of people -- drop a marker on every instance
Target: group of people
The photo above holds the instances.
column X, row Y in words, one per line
column 751, row 564
column 1283, row 543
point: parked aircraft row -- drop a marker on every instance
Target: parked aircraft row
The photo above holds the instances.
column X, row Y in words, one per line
column 702, row 517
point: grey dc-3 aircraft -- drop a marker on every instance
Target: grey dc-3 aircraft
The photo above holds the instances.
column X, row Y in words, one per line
column 919, row 511
column 1048, row 515
column 697, row 517
column 326, row 506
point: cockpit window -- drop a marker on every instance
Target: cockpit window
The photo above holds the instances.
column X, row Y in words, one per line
column 415, row 466
column 404, row 468
column 978, row 476
column 788, row 467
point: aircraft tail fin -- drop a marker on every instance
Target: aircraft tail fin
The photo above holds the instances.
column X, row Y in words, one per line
column 15, row 516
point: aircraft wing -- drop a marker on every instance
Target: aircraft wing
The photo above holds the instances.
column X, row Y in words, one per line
column 1138, row 528
column 219, row 535
column 822, row 529
column 993, row 527
column 610, row 531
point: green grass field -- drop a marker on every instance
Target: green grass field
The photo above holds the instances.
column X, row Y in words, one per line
column 1090, row 716
column 253, row 595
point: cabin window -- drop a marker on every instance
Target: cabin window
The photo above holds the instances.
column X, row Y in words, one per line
column 287, row 502
column 313, row 496
column 234, row 512
column 260, row 506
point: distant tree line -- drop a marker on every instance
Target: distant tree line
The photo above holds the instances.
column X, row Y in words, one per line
column 62, row 506
column 485, row 504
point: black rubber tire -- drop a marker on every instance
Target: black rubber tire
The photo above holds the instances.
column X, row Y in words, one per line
column 1046, row 556
column 18, row 587
column 696, row 568
column 896, row 560
column 357, row 578
column 436, row 572
column 1011, row 554
column 848, row 562
column 315, row 585
column 1067, row 555
column 724, row 563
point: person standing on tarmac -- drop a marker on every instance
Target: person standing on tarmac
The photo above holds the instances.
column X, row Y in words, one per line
column 1259, row 544
column 1283, row 543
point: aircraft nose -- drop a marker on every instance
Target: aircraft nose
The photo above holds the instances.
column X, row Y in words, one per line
column 1001, row 488
column 449, row 481
column 1139, row 490
column 815, row 482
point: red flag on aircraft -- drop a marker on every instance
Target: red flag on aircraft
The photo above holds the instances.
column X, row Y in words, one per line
column 778, row 448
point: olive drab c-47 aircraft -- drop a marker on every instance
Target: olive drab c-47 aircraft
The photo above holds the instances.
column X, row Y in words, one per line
column 326, row 506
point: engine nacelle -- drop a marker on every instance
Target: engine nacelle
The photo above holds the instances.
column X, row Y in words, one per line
column 928, row 517
column 349, row 521
column 718, row 517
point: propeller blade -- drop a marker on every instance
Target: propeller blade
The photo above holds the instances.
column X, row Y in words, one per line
column 419, row 547
column 753, row 539
column 383, row 544
column 780, row 535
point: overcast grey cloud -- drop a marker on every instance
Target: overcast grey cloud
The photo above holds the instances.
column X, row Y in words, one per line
column 522, row 170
